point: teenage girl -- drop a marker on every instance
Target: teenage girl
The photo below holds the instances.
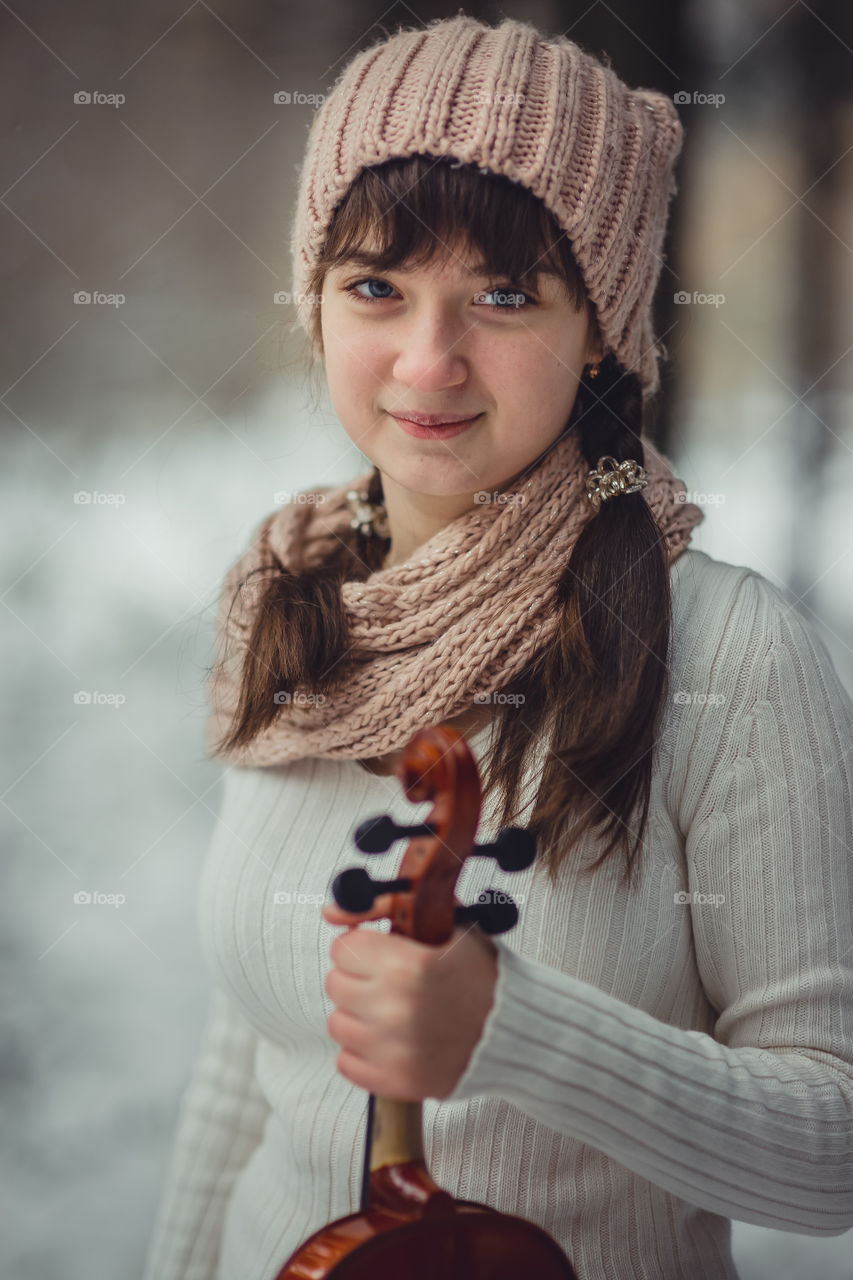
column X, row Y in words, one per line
column 664, row 1042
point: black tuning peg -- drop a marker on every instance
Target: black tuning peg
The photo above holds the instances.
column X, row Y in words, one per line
column 514, row 849
column 375, row 835
column 353, row 889
column 494, row 912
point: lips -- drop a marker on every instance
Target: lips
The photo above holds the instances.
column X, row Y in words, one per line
column 434, row 419
column 445, row 429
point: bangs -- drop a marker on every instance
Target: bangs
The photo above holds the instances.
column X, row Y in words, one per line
column 410, row 211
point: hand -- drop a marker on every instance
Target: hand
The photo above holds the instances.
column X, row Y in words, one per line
column 407, row 1014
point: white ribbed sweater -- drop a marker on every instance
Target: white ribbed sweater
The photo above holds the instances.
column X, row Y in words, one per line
column 649, row 1069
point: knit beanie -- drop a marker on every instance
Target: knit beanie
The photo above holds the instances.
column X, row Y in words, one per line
column 542, row 113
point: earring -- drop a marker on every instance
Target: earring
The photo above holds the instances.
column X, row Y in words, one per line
column 593, row 370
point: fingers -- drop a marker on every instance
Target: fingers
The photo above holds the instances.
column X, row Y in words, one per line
column 381, row 909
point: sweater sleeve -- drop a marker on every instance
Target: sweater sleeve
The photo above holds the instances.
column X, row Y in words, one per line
column 755, row 1122
column 221, row 1120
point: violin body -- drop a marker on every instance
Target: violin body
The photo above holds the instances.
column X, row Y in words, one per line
column 455, row 1241
column 408, row 1228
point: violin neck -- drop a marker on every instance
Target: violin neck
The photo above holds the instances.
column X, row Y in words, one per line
column 397, row 1136
column 394, row 1133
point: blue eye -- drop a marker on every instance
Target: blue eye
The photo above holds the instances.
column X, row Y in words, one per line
column 351, row 288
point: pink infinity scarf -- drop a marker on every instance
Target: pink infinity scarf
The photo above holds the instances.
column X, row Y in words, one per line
column 462, row 616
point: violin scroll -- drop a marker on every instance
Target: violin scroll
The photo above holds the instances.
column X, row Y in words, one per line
column 437, row 766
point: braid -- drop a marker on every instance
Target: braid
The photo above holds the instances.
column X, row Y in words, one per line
column 606, row 582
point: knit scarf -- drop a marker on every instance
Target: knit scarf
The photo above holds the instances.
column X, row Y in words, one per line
column 462, row 616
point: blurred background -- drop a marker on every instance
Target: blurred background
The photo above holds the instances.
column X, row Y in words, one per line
column 154, row 405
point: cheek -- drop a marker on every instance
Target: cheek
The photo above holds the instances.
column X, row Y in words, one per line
column 505, row 368
column 357, row 359
column 527, row 379
column 538, row 391
column 530, row 362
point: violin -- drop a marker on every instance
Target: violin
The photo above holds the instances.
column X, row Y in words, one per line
column 407, row 1227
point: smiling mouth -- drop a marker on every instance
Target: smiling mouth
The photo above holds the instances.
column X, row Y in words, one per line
column 435, row 420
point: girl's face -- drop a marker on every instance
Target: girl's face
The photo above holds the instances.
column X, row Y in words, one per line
column 441, row 339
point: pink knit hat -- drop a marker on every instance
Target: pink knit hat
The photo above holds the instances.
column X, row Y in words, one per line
column 543, row 113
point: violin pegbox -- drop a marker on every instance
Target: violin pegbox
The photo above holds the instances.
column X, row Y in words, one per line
column 437, row 766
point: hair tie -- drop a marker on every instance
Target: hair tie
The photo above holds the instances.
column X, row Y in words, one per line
column 620, row 477
column 370, row 518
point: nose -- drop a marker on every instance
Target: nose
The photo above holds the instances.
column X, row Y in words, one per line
column 431, row 352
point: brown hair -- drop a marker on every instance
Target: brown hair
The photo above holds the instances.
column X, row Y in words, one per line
column 599, row 688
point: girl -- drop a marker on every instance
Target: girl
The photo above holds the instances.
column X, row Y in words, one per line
column 665, row 1040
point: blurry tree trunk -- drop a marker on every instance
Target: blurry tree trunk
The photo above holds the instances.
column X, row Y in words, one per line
column 820, row 71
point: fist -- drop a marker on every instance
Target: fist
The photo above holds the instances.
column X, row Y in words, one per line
column 407, row 1015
